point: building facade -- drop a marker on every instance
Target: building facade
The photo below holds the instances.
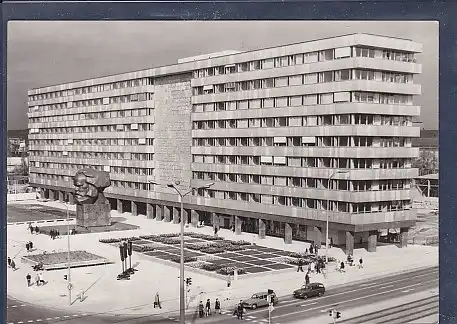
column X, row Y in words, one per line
column 289, row 136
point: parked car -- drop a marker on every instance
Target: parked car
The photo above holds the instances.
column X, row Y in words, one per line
column 259, row 300
column 310, row 290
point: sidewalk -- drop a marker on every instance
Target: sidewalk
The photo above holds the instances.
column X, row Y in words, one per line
column 107, row 295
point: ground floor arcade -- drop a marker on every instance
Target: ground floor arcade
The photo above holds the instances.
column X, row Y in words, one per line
column 342, row 235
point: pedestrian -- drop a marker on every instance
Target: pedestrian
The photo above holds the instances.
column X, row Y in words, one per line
column 37, row 279
column 13, row 265
column 37, row 230
column 58, row 233
column 316, row 249
column 360, row 263
column 239, row 313
column 31, row 228
column 311, row 250
column 306, row 251
column 208, row 307
column 300, row 265
column 41, row 275
column 27, row 246
column 229, row 281
column 157, row 301
column 318, row 267
column 29, row 279
column 31, row 245
column 217, row 306
column 201, row 311
column 307, row 279
column 9, row 262
column 313, row 266
column 215, row 231
column 331, row 241
column 342, row 266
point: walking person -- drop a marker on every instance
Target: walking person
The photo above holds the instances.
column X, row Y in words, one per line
column 300, row 265
column 360, row 263
column 37, row 279
column 27, row 246
column 201, row 308
column 311, row 250
column 307, row 279
column 29, row 279
column 37, row 230
column 31, row 245
column 9, row 262
column 331, row 242
column 13, row 265
column 217, row 306
column 313, row 267
column 239, row 313
column 41, row 276
column 229, row 281
column 157, row 301
column 342, row 266
column 31, row 228
column 208, row 308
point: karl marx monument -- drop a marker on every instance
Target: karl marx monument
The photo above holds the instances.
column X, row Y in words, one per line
column 92, row 207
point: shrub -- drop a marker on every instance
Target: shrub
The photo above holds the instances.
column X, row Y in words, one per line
column 187, row 259
column 196, row 246
column 116, row 240
column 207, row 258
column 240, row 242
column 212, row 250
column 196, row 264
column 211, row 267
column 169, row 235
column 148, row 237
column 230, row 271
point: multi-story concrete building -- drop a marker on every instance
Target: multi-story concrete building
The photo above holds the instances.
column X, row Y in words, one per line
column 272, row 128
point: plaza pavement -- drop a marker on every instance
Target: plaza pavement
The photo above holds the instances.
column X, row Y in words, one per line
column 106, row 295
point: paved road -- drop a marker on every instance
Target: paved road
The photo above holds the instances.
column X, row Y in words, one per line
column 287, row 310
column 22, row 313
column 351, row 296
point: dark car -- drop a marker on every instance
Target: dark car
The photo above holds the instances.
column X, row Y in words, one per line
column 259, row 300
column 310, row 290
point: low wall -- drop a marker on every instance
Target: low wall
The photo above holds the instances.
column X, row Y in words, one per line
column 21, row 196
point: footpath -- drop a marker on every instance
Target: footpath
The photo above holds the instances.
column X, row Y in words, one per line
column 107, row 296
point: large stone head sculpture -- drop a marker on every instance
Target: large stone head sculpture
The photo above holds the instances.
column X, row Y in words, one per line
column 89, row 185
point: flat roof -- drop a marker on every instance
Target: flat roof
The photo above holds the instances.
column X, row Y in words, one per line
column 202, row 59
column 431, row 176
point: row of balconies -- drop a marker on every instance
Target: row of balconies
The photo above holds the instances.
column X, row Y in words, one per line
column 312, row 110
column 349, row 152
column 319, row 88
column 94, row 122
column 96, row 95
column 333, row 130
column 332, row 65
column 324, row 173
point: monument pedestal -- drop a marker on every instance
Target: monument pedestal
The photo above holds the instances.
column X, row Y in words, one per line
column 93, row 215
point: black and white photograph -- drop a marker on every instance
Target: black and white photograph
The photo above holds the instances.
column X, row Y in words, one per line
column 266, row 172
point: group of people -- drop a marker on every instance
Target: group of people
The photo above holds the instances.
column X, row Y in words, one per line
column 33, row 229
column 313, row 249
column 205, row 310
column 29, row 246
column 12, row 264
column 39, row 279
column 54, row 233
column 350, row 262
column 239, row 310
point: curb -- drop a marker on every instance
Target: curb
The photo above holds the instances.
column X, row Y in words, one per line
column 45, row 221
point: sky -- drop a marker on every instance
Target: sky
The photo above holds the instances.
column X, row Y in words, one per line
column 42, row 53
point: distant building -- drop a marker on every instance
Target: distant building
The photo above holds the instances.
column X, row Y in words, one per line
column 16, row 146
column 269, row 127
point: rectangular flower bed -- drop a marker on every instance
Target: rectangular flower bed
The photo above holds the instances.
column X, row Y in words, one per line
column 59, row 260
column 230, row 271
column 116, row 240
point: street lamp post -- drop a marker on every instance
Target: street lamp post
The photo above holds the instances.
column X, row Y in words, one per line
column 328, row 213
column 182, row 302
column 68, row 254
